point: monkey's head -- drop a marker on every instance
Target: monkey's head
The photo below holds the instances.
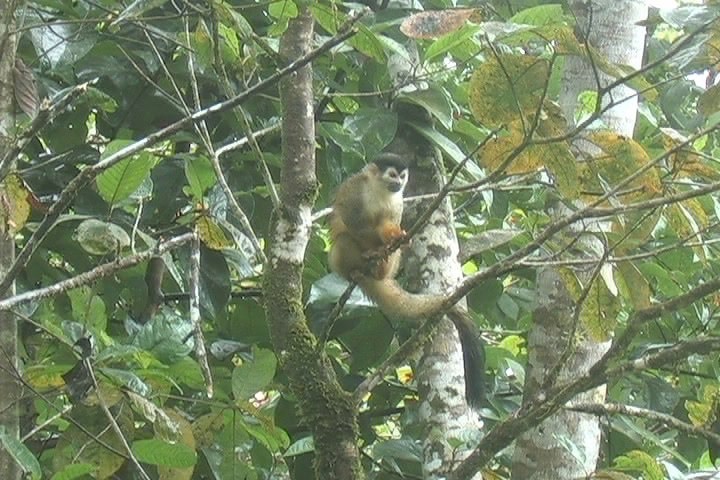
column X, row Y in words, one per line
column 391, row 170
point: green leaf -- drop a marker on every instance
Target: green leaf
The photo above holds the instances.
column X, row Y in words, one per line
column 435, row 101
column 374, row 127
column 76, row 470
column 283, row 9
column 366, row 354
column 88, row 308
column 20, row 453
column 270, row 436
column 304, row 445
column 122, row 179
column 165, row 337
column 447, row 42
column 366, row 42
column 157, row 452
column 255, row 375
column 101, row 238
column 540, row 15
column 98, row 98
column 200, row 176
column 441, row 141
column 640, row 461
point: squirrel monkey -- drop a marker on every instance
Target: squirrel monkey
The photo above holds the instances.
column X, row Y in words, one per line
column 366, row 219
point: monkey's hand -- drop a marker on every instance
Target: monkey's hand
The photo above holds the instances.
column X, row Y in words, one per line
column 391, row 233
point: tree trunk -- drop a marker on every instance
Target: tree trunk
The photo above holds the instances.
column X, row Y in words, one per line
column 542, row 453
column 432, row 266
column 10, row 389
column 326, row 408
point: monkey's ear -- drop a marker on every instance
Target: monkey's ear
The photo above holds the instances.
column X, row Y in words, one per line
column 387, row 159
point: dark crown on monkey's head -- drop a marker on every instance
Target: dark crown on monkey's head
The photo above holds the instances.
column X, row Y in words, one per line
column 385, row 160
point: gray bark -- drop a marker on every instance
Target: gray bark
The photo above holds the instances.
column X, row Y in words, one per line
column 432, row 266
column 326, row 408
column 541, row 453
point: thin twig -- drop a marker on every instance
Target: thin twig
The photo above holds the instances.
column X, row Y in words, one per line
column 113, row 423
column 91, row 275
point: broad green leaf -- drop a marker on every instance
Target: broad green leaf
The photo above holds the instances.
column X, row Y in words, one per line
column 200, row 176
column 20, row 453
column 266, row 433
column 165, row 336
column 187, row 437
column 119, row 181
column 447, row 42
column 98, row 98
column 366, row 354
column 373, row 128
column 441, row 141
column 304, row 445
column 365, row 41
column 88, row 308
column 328, row 18
column 101, row 238
column 77, row 470
column 551, row 13
column 158, row 452
column 73, row 447
column 255, row 375
column 435, row 101
column 283, row 9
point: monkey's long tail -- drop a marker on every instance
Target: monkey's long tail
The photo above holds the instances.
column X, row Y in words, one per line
column 396, row 302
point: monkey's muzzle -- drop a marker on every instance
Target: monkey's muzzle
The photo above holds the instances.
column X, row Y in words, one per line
column 395, row 187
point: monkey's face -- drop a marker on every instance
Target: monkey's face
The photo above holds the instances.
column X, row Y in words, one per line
column 394, row 178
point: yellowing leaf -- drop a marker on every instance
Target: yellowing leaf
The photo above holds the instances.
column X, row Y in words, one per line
column 46, row 377
column 14, row 204
column 211, row 234
column 599, row 311
column 704, row 411
column 640, row 461
column 685, row 161
column 503, row 88
column 633, row 285
column 687, row 219
column 555, row 157
column 617, row 158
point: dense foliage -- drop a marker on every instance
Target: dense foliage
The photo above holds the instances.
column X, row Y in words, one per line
column 122, row 75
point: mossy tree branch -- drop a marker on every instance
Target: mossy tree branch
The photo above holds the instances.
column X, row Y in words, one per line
column 325, row 407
